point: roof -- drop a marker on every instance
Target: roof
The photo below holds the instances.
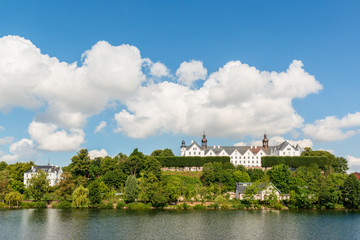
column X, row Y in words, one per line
column 45, row 168
column 357, row 175
column 241, row 187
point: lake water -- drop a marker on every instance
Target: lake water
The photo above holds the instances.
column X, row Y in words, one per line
column 174, row 224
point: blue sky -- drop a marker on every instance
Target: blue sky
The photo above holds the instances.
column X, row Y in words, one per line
column 164, row 71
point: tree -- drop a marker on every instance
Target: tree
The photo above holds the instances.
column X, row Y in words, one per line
column 4, row 184
column 17, row 186
column 80, row 198
column 65, row 186
column 80, row 164
column 108, row 164
column 133, row 164
column 3, row 165
column 18, row 169
column 13, row 199
column 166, row 153
column 131, row 189
column 240, row 176
column 351, row 192
column 151, row 165
column 255, row 174
column 94, row 169
column 152, row 191
column 280, row 176
column 115, row 178
column 337, row 164
column 156, row 153
column 94, row 192
column 38, row 185
column 251, row 191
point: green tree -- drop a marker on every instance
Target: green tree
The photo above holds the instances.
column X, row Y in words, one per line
column 13, row 199
column 131, row 189
column 80, row 198
column 337, row 164
column 280, row 176
column 351, row 192
column 251, row 191
column 38, row 185
column 151, row 165
column 17, row 186
column 166, row 153
column 255, row 174
column 3, row 165
column 240, row 176
column 95, row 192
column 115, row 178
column 94, row 169
column 65, row 186
column 80, row 164
column 18, row 169
column 156, row 153
column 151, row 191
column 133, row 164
column 108, row 164
column 4, row 184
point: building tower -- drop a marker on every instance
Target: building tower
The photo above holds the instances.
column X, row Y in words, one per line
column 265, row 142
column 204, row 141
column 182, row 148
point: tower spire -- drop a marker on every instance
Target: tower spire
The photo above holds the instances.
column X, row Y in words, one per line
column 204, row 141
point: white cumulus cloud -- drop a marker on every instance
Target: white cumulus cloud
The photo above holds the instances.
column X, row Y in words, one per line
column 332, row 128
column 354, row 163
column 189, row 72
column 236, row 101
column 49, row 138
column 6, row 140
column 158, row 69
column 23, row 150
column 100, row 127
column 98, row 153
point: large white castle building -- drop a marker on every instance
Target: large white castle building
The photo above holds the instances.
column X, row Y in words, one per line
column 53, row 174
column 248, row 156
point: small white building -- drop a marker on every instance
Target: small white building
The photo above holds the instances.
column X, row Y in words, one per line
column 54, row 173
column 248, row 156
column 263, row 193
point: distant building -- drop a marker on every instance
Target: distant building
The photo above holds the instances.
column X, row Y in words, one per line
column 248, row 156
column 357, row 175
column 263, row 193
column 53, row 172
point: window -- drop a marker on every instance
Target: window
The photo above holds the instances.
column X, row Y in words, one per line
column 189, row 153
column 231, row 157
column 288, row 149
column 252, row 161
column 194, row 148
column 257, row 157
column 194, row 153
column 248, row 157
column 252, row 157
column 199, row 153
column 210, row 153
column 235, row 157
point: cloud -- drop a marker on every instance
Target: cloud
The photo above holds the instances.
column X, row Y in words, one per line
column 23, row 150
column 98, row 153
column 236, row 101
column 158, row 69
column 276, row 140
column 332, row 128
column 100, row 127
column 6, row 140
column 354, row 164
column 189, row 72
column 1, row 128
column 50, row 138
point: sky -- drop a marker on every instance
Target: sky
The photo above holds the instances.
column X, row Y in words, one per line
column 111, row 76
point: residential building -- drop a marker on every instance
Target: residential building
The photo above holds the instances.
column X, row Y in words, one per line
column 263, row 193
column 53, row 172
column 248, row 156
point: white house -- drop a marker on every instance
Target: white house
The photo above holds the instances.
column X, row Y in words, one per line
column 263, row 193
column 53, row 172
column 248, row 156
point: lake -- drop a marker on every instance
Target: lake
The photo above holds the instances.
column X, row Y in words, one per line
column 178, row 224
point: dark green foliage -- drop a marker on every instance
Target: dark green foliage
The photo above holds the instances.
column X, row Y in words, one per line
column 108, row 205
column 295, row 161
column 115, row 178
column 18, row 169
column 3, row 165
column 351, row 192
column 39, row 204
column 190, row 161
column 94, row 169
column 255, row 174
column 62, row 205
column 94, row 192
column 131, row 189
column 38, row 185
column 80, row 164
column 280, row 176
column 138, row 206
column 199, row 207
column 337, row 164
column 120, row 205
column 17, row 186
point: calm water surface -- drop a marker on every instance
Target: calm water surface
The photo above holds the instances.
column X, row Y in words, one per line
column 168, row 224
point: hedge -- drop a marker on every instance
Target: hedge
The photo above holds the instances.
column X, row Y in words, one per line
column 295, row 162
column 192, row 161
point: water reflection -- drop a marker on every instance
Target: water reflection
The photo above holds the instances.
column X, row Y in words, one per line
column 168, row 224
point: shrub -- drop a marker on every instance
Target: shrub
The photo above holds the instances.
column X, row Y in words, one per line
column 2, row 205
column 39, row 204
column 26, row 205
column 138, row 206
column 62, row 204
column 199, row 207
column 108, row 205
column 190, row 161
column 294, row 162
column 120, row 205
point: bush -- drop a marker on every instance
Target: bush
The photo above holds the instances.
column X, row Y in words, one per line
column 108, row 205
column 120, row 205
column 199, row 207
column 190, row 161
column 62, row 205
column 26, row 205
column 39, row 204
column 138, row 206
column 2, row 205
column 294, row 162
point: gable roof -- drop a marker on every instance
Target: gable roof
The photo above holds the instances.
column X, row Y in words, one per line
column 241, row 187
column 45, row 168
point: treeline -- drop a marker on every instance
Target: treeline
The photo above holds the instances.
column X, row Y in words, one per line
column 191, row 161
